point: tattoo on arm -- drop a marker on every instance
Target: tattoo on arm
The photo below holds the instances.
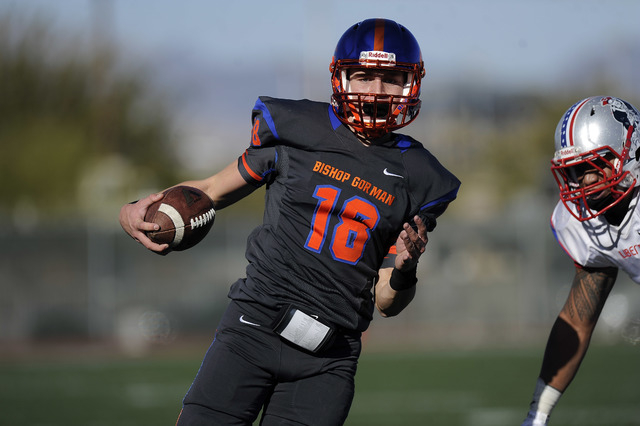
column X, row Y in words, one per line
column 589, row 291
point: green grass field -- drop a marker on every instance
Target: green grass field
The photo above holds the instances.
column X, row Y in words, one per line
column 453, row 388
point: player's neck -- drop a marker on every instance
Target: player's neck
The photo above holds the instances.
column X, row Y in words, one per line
column 368, row 140
column 616, row 214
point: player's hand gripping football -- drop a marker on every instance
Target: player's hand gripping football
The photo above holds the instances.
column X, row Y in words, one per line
column 411, row 244
column 132, row 221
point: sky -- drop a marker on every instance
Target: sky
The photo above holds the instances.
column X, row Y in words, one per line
column 218, row 56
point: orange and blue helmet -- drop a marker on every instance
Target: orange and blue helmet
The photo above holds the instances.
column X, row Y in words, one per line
column 383, row 45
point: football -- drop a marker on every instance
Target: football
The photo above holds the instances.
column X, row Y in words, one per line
column 185, row 215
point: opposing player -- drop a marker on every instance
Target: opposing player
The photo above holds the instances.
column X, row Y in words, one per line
column 596, row 165
column 343, row 191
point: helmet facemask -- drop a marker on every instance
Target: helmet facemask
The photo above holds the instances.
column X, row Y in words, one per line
column 610, row 182
column 372, row 114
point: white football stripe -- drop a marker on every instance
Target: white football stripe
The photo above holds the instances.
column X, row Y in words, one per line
column 178, row 223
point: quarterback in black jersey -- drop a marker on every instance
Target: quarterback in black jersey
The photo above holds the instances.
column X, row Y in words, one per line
column 349, row 203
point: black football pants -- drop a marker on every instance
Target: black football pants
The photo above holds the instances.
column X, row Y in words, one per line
column 249, row 369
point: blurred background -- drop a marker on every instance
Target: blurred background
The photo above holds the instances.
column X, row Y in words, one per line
column 105, row 101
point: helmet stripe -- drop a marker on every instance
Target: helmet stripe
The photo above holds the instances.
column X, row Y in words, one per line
column 570, row 115
column 378, row 38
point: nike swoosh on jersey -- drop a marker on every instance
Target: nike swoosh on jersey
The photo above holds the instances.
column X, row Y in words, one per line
column 244, row 321
column 388, row 173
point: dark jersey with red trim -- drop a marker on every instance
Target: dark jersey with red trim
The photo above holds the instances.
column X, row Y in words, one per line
column 334, row 208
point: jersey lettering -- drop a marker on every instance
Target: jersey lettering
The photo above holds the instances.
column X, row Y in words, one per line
column 629, row 252
column 330, row 171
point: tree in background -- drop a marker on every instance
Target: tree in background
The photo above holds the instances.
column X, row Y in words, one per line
column 76, row 129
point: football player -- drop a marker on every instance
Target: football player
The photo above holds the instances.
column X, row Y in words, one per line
column 348, row 206
column 597, row 148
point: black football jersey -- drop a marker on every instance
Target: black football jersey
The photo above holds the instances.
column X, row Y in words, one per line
column 334, row 208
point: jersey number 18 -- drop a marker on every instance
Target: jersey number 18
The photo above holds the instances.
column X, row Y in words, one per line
column 357, row 218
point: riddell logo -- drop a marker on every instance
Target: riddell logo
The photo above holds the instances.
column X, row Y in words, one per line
column 383, row 55
column 565, row 152
column 377, row 55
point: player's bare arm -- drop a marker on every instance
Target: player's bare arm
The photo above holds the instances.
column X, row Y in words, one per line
column 409, row 247
column 574, row 326
column 224, row 188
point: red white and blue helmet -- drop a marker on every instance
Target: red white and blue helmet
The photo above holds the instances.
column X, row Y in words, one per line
column 596, row 133
column 380, row 44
